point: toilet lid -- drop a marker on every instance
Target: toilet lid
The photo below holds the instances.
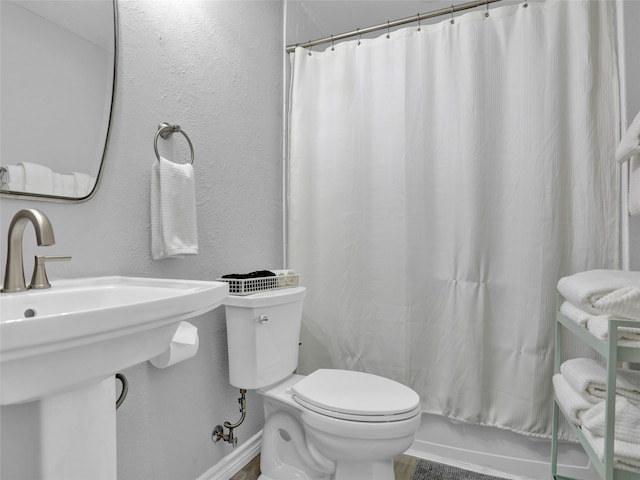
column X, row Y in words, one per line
column 356, row 396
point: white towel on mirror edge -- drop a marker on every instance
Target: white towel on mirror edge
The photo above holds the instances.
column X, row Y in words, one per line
column 626, row 455
column 573, row 404
column 84, row 183
column 609, row 292
column 13, row 177
column 627, row 420
column 64, row 184
column 174, row 230
column 589, row 378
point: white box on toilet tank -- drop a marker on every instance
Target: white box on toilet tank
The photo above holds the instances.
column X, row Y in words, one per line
column 263, row 332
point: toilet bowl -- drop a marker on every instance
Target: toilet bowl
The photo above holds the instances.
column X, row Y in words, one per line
column 329, row 425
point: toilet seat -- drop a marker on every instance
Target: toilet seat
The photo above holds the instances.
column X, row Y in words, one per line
column 356, row 396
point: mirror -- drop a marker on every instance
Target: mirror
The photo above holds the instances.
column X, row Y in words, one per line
column 57, row 61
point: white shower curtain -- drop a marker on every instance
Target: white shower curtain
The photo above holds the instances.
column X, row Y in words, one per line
column 441, row 182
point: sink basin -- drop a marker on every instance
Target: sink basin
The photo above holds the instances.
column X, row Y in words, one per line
column 88, row 329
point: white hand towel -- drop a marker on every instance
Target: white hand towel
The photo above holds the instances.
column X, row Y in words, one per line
column 37, row 178
column 627, row 420
column 609, row 292
column 625, row 454
column 573, row 404
column 174, row 230
column 630, row 142
column 587, row 377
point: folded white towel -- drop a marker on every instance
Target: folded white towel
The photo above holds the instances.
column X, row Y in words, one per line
column 598, row 325
column 37, row 178
column 174, row 229
column 573, row 404
column 623, row 302
column 573, row 313
column 627, row 420
column 626, row 455
column 630, row 142
column 589, row 378
column 609, row 292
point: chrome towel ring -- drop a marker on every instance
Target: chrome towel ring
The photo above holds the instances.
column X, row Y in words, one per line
column 164, row 130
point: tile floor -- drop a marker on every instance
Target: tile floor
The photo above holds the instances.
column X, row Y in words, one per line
column 404, row 466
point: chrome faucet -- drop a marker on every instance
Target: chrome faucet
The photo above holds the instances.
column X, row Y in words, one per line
column 14, row 270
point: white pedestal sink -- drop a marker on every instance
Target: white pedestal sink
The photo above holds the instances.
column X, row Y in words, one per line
column 59, row 351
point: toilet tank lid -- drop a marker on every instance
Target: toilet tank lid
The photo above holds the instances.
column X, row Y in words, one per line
column 266, row 298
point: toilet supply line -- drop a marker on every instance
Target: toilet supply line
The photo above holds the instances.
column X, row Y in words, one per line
column 218, row 432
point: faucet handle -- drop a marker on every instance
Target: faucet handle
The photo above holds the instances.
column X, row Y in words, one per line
column 39, row 278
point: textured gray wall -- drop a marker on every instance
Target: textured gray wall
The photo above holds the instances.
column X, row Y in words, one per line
column 215, row 68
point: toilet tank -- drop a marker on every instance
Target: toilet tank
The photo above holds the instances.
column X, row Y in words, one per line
column 263, row 332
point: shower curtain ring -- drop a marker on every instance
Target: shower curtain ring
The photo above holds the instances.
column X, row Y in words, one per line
column 453, row 20
column 332, row 49
column 388, row 35
column 358, row 33
column 486, row 5
column 309, row 47
column 418, row 16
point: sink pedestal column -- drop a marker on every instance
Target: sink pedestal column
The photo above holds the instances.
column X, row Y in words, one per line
column 71, row 435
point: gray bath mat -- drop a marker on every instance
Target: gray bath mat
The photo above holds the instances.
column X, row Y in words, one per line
column 426, row 470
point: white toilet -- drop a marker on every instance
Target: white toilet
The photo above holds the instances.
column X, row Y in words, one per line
column 332, row 424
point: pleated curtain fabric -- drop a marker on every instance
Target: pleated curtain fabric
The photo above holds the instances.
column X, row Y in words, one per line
column 441, row 181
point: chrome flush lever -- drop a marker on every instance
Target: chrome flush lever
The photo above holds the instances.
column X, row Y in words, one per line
column 39, row 278
column 263, row 318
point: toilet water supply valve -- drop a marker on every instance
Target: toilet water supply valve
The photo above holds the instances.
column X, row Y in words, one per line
column 218, row 432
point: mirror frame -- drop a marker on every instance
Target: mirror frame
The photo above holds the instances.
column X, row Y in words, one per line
column 58, row 199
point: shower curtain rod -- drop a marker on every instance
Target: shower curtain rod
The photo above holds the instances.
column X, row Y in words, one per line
column 403, row 21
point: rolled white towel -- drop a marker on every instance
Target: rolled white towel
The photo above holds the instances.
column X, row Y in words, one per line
column 573, row 404
column 589, row 378
column 627, row 420
column 626, row 455
column 609, row 292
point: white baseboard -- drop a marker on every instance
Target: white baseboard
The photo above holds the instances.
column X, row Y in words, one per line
column 235, row 461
